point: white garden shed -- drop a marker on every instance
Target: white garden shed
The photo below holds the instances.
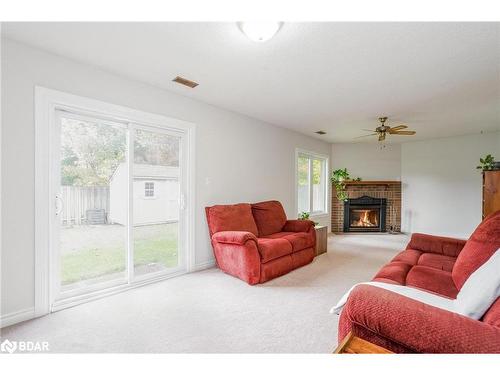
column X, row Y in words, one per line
column 156, row 194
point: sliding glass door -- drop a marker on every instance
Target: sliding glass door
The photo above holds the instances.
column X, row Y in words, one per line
column 156, row 202
column 118, row 204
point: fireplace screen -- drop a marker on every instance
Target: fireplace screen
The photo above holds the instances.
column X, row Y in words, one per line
column 365, row 214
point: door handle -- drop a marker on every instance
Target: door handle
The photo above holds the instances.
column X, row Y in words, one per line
column 59, row 205
column 182, row 201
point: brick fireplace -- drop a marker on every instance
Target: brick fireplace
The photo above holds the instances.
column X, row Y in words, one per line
column 372, row 206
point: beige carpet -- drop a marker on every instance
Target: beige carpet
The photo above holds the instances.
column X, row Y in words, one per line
column 209, row 311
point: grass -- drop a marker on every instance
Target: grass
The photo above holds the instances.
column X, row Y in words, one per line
column 153, row 244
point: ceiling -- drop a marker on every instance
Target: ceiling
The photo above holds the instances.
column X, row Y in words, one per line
column 441, row 79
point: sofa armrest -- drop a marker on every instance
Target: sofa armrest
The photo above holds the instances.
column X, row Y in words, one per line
column 435, row 244
column 298, row 226
column 234, row 237
column 416, row 325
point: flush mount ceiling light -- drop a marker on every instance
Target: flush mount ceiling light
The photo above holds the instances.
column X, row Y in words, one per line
column 259, row 31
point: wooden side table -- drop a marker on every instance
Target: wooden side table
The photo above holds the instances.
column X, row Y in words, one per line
column 321, row 239
column 355, row 345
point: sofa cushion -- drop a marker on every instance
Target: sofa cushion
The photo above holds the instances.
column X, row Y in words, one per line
column 279, row 235
column 408, row 256
column 481, row 245
column 298, row 240
column 432, row 280
column 394, row 272
column 435, row 244
column 440, row 262
column 269, row 216
column 231, row 217
column 272, row 248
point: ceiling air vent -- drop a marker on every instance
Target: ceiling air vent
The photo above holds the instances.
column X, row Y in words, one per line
column 185, row 82
column 320, row 132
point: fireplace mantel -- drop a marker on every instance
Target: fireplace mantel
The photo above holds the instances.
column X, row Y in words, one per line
column 384, row 183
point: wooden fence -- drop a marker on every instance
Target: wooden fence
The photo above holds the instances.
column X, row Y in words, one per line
column 78, row 199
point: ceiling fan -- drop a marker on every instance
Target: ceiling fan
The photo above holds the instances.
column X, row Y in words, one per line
column 383, row 130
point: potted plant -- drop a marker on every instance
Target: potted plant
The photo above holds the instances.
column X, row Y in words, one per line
column 305, row 216
column 488, row 163
column 339, row 178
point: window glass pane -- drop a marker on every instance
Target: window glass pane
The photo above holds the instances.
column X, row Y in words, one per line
column 149, row 189
column 93, row 245
column 319, row 188
column 155, row 221
column 303, row 183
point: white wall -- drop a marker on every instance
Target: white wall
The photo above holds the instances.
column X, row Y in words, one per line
column 441, row 186
column 368, row 160
column 238, row 159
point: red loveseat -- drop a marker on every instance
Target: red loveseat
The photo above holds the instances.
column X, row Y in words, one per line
column 439, row 265
column 256, row 243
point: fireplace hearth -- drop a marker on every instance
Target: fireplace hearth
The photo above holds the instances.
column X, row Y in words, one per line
column 365, row 214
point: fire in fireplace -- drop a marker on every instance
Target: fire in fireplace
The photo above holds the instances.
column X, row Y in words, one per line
column 365, row 214
column 364, row 218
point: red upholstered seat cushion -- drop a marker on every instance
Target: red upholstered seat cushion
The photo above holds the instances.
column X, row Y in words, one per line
column 272, row 248
column 406, row 269
column 279, row 235
column 298, row 240
column 408, row 256
column 432, row 280
column 440, row 262
column 481, row 245
column 269, row 216
column 231, row 217
column 394, row 273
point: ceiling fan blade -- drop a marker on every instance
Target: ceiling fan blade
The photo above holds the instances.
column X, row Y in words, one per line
column 404, row 132
column 399, row 127
column 362, row 136
column 381, row 137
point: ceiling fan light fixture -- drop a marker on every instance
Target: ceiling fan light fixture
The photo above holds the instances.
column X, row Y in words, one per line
column 260, row 31
column 382, row 130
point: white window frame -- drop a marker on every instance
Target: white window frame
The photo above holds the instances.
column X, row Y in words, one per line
column 47, row 103
column 325, row 175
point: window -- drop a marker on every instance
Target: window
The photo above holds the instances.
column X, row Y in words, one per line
column 149, row 189
column 311, row 182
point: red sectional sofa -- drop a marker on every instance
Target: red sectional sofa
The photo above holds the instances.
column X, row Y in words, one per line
column 437, row 264
column 256, row 242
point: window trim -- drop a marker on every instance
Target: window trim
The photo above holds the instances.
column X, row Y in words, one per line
column 317, row 156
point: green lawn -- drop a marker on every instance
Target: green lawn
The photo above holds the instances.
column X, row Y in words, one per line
column 154, row 245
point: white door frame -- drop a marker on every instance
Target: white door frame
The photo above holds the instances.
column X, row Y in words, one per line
column 47, row 101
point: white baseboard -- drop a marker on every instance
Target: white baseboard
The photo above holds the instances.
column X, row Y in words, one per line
column 16, row 317
column 204, row 265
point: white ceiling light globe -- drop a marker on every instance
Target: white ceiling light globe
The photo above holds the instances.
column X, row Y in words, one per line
column 260, row 31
